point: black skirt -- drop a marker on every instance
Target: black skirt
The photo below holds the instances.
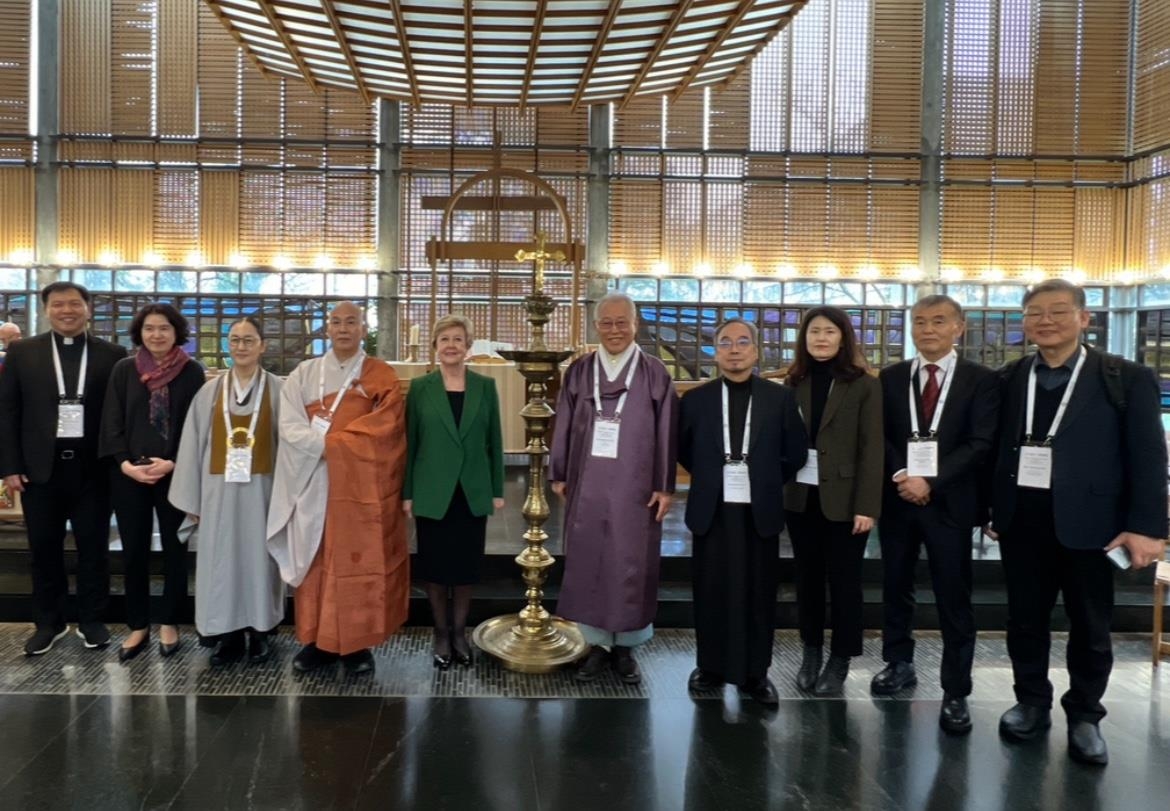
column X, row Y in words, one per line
column 450, row 549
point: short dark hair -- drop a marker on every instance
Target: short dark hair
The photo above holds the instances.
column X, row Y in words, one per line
column 849, row 363
column 182, row 328
column 934, row 301
column 1056, row 286
column 249, row 319
column 64, row 287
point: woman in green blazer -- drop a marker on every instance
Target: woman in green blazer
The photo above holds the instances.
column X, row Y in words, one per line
column 454, row 480
column 833, row 503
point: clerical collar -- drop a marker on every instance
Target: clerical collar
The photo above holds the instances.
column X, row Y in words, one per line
column 613, row 364
column 67, row 340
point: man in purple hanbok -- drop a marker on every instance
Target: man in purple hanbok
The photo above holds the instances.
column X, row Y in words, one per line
column 613, row 461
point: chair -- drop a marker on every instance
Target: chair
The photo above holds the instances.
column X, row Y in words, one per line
column 1161, row 585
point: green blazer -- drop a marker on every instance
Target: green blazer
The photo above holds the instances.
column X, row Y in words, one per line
column 850, row 450
column 440, row 454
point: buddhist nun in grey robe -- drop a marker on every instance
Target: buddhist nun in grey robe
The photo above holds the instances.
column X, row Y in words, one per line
column 237, row 583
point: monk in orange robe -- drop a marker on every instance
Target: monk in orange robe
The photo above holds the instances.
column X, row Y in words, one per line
column 336, row 526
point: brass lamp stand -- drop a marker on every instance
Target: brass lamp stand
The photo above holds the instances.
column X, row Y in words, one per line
column 533, row 641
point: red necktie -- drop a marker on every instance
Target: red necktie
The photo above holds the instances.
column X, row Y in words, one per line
column 930, row 394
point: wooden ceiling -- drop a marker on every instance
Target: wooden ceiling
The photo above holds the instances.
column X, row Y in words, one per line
column 506, row 52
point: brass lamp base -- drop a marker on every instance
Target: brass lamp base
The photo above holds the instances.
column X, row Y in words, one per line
column 556, row 644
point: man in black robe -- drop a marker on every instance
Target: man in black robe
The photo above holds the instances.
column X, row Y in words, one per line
column 741, row 438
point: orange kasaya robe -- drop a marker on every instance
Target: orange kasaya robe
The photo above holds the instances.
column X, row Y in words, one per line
column 356, row 591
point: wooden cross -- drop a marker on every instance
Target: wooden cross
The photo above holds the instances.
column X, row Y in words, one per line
column 538, row 257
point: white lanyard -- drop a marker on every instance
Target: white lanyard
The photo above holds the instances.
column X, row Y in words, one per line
column 61, row 374
column 747, row 428
column 938, row 406
column 227, row 417
column 349, row 378
column 617, row 414
column 1072, row 382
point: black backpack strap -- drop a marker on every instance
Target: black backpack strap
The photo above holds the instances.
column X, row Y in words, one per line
column 1113, row 370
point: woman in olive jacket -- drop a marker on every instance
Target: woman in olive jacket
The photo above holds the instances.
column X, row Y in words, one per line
column 836, row 498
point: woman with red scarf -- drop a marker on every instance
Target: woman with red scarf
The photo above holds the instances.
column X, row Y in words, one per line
column 146, row 403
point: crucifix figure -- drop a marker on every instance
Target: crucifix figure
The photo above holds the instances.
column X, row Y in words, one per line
column 538, row 257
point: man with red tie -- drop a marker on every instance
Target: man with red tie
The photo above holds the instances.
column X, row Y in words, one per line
column 940, row 413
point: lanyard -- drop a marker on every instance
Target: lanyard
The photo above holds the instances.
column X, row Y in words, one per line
column 81, row 372
column 349, row 378
column 747, row 428
column 617, row 414
column 948, row 377
column 1072, row 382
column 227, row 417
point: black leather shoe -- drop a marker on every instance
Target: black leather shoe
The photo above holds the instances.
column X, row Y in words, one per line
column 460, row 650
column 1024, row 722
column 763, row 692
column 125, row 654
column 311, row 657
column 1085, row 744
column 259, row 648
column 893, row 677
column 94, row 635
column 703, row 682
column 228, row 649
column 953, row 716
column 832, row 679
column 810, row 668
column 43, row 639
column 166, row 649
column 593, row 665
column 625, row 665
column 358, row 662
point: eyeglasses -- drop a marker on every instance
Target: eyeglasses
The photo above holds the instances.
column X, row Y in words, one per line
column 738, row 343
column 1058, row 314
column 247, row 342
column 608, row 324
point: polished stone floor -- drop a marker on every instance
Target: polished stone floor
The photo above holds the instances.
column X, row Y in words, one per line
column 80, row 731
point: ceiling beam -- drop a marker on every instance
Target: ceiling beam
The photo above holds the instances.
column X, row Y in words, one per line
column 468, row 49
column 533, row 47
column 289, row 45
column 782, row 21
column 663, row 39
column 226, row 22
column 408, row 61
column 346, row 51
column 598, row 45
column 721, row 36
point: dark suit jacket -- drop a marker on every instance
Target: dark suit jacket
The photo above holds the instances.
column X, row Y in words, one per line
column 966, row 436
column 849, row 450
column 1108, row 468
column 440, row 455
column 777, row 448
column 28, row 404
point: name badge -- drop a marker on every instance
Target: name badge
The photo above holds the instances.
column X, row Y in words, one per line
column 238, row 469
column 321, row 424
column 70, row 419
column 737, row 487
column 809, row 473
column 922, row 458
column 605, row 438
column 1035, row 467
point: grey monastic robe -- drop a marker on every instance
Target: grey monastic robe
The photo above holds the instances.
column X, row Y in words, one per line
column 612, row 542
column 237, row 583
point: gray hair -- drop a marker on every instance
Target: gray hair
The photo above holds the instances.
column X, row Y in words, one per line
column 447, row 322
column 1056, row 286
column 616, row 296
column 752, row 328
column 935, row 300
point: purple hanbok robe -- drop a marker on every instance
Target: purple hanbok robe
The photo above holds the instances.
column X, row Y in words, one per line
column 611, row 540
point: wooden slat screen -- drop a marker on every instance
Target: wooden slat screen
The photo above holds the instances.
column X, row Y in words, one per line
column 1151, row 124
column 17, row 226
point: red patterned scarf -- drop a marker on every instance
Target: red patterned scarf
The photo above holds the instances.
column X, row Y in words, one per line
column 156, row 376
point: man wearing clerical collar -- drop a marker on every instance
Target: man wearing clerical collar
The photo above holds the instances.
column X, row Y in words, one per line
column 52, row 393
column 741, row 438
column 613, row 461
column 335, row 526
